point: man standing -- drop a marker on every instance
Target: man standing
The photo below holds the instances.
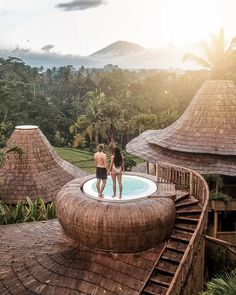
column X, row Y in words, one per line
column 101, row 169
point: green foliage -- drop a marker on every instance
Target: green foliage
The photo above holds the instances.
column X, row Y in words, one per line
column 32, row 211
column 220, row 197
column 97, row 104
column 129, row 163
column 217, row 260
column 222, row 285
column 84, row 159
column 218, row 57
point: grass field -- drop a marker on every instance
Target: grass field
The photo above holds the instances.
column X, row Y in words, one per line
column 82, row 158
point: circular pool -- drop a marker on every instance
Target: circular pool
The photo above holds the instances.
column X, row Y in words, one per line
column 120, row 225
column 134, row 187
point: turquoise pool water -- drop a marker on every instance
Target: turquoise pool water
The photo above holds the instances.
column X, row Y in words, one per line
column 133, row 187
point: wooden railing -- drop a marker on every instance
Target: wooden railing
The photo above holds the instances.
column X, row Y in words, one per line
column 193, row 183
column 227, row 236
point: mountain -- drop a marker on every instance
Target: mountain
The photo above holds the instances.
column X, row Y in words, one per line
column 121, row 53
column 119, row 48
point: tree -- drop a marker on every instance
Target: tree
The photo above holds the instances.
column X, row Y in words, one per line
column 219, row 58
column 93, row 123
column 144, row 121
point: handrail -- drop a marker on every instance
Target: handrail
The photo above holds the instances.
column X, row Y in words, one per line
column 193, row 183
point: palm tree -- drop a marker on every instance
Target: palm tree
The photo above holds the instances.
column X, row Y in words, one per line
column 224, row 284
column 95, row 115
column 93, row 123
column 218, row 57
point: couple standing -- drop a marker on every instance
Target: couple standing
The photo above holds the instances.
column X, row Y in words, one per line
column 116, row 170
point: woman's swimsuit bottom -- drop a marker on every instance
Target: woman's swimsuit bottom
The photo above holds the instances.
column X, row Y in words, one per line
column 117, row 170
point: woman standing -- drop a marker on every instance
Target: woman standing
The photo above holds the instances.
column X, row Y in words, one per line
column 117, row 169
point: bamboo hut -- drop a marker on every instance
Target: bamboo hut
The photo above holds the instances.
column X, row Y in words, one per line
column 202, row 139
column 36, row 171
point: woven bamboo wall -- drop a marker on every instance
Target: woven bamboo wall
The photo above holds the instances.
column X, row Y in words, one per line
column 37, row 171
column 114, row 226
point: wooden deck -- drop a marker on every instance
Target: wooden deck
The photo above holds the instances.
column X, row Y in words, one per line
column 38, row 258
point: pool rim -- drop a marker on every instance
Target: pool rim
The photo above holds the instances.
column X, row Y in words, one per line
column 117, row 200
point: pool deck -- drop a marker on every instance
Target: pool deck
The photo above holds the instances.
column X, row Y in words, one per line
column 38, row 258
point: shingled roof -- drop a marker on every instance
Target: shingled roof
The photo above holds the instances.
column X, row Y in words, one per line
column 37, row 171
column 203, row 138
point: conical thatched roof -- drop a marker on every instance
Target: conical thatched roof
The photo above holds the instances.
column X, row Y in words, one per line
column 37, row 171
column 203, row 138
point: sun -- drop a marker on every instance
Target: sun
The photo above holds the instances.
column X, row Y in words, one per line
column 187, row 21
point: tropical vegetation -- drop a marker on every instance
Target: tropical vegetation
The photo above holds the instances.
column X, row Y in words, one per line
column 218, row 56
column 222, row 285
column 31, row 211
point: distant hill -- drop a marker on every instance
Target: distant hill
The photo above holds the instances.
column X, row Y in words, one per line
column 124, row 54
column 120, row 48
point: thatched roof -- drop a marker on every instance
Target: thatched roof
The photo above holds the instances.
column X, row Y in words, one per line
column 37, row 171
column 203, row 138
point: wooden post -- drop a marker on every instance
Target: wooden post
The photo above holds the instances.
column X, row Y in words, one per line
column 215, row 225
column 191, row 183
column 147, row 167
column 155, row 169
column 157, row 172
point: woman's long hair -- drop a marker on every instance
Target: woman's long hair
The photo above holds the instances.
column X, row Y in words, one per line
column 117, row 157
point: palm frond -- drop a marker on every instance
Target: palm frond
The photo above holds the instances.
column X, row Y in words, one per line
column 196, row 59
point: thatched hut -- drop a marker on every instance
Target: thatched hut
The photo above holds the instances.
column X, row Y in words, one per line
column 36, row 171
column 202, row 139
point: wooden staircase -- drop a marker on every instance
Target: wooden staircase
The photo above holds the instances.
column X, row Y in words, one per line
column 188, row 213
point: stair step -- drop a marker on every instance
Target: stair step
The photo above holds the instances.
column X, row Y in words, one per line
column 186, row 203
column 159, row 276
column 177, row 246
column 172, row 256
column 186, row 218
column 181, row 236
column 190, row 210
column 185, row 227
column 182, row 197
column 153, row 289
column 158, row 282
column 166, row 266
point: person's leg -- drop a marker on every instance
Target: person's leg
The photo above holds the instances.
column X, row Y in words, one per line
column 119, row 177
column 113, row 176
column 103, row 186
column 98, row 186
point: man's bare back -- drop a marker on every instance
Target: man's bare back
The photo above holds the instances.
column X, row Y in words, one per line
column 100, row 159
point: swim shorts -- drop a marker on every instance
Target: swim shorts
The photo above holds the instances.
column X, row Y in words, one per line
column 101, row 173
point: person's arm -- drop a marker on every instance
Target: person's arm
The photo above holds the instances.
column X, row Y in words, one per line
column 112, row 159
column 105, row 161
column 123, row 164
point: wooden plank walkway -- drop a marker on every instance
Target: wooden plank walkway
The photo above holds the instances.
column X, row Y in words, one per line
column 38, row 258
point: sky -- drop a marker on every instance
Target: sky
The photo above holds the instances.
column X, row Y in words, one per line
column 82, row 27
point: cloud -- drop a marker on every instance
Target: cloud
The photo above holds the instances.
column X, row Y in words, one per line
column 47, row 47
column 80, row 4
